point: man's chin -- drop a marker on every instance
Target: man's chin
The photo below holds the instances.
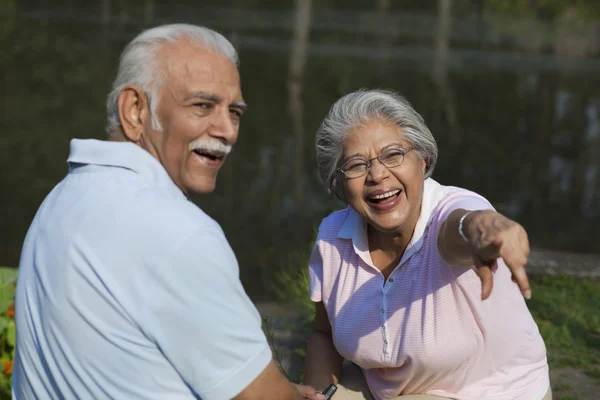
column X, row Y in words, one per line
column 201, row 186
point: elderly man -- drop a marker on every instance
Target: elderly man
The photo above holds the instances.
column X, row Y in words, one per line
column 126, row 289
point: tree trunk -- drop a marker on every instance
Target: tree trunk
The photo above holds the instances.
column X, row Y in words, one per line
column 229, row 217
column 148, row 11
column 440, row 72
column 594, row 189
column 297, row 63
column 542, row 143
column 385, row 38
column 106, row 16
column 581, row 152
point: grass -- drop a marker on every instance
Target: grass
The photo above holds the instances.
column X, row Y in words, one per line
column 567, row 311
column 8, row 274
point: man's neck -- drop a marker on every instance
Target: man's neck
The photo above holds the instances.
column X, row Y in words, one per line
column 116, row 135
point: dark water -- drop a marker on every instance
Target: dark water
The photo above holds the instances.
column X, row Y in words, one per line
column 509, row 88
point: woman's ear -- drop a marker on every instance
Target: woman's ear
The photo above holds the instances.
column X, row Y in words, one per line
column 133, row 111
column 344, row 193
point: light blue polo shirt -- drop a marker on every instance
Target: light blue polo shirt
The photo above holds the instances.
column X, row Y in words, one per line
column 127, row 290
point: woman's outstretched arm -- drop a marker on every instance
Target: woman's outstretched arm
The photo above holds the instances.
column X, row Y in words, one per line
column 486, row 236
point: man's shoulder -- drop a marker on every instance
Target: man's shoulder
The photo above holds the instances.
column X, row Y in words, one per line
column 170, row 213
column 116, row 207
column 165, row 206
column 159, row 221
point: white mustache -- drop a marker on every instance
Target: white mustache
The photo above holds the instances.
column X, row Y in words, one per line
column 211, row 145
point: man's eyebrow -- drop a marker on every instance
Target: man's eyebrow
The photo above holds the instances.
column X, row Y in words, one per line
column 240, row 104
column 204, row 96
column 216, row 99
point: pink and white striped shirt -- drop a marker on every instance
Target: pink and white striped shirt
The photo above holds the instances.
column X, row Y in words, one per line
column 426, row 330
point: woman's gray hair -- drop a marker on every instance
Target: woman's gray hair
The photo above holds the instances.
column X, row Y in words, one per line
column 358, row 108
column 138, row 64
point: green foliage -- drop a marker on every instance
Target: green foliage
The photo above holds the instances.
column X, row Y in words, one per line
column 291, row 284
column 294, row 291
column 8, row 277
column 293, row 288
column 267, row 328
column 545, row 8
column 6, row 27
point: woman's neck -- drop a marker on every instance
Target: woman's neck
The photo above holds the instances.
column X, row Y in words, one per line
column 387, row 248
column 389, row 242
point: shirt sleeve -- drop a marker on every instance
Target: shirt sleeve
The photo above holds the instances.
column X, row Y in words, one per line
column 315, row 274
column 464, row 199
column 200, row 317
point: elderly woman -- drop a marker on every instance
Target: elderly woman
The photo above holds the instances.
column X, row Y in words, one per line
column 418, row 286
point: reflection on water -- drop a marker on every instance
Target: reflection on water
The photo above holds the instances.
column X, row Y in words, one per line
column 511, row 94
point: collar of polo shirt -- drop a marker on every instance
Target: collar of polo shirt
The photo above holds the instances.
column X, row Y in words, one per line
column 354, row 227
column 124, row 155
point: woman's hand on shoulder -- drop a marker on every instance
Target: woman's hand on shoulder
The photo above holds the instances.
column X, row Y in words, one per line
column 492, row 235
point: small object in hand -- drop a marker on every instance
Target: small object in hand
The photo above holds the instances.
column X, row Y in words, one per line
column 329, row 391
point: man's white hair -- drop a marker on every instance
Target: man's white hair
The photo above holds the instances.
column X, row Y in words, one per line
column 138, row 65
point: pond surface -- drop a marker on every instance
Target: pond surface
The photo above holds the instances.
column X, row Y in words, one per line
column 510, row 90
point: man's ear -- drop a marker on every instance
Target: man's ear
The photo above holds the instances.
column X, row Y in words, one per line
column 133, row 111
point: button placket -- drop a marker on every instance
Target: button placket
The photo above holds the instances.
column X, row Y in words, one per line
column 383, row 321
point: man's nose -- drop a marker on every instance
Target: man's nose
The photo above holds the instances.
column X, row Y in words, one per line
column 224, row 127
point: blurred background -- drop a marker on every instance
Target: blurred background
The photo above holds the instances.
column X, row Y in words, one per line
column 509, row 88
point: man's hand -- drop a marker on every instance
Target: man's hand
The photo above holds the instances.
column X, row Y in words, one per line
column 491, row 235
column 309, row 392
column 270, row 384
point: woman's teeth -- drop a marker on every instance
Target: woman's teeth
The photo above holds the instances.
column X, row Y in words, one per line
column 385, row 195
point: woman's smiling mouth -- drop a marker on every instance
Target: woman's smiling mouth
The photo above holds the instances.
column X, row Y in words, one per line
column 383, row 200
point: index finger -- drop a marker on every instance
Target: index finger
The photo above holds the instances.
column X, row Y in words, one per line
column 520, row 277
column 487, row 281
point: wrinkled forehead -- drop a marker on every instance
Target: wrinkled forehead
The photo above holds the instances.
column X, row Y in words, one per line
column 187, row 64
column 373, row 137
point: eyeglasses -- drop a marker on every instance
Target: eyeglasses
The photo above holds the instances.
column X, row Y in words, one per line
column 390, row 158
